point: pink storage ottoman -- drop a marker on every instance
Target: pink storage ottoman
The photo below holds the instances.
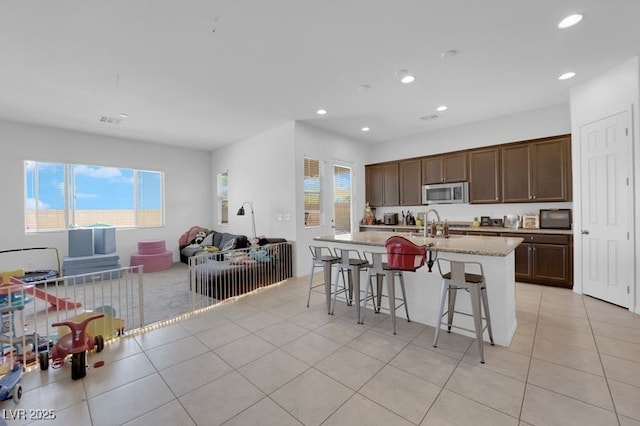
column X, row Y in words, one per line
column 153, row 255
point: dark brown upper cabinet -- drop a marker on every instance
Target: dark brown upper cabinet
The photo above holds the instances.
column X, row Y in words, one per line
column 530, row 171
column 391, row 189
column 537, row 171
column 374, row 176
column 552, row 169
column 410, row 172
column 382, row 184
column 444, row 168
column 484, row 176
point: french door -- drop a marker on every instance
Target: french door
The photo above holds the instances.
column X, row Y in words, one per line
column 342, row 195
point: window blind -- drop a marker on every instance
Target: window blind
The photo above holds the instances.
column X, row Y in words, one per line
column 312, row 191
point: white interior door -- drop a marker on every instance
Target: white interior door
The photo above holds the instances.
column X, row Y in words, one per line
column 606, row 202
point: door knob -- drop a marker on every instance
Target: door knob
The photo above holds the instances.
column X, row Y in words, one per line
column 585, row 232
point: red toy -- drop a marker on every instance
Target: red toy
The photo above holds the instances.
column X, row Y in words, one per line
column 76, row 343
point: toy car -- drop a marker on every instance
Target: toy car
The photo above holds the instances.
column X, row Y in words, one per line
column 10, row 386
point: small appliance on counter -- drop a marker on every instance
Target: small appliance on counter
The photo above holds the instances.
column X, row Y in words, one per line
column 555, row 218
column 391, row 218
column 530, row 221
column 511, row 221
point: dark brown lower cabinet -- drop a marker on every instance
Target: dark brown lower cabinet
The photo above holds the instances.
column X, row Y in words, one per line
column 484, row 233
column 544, row 259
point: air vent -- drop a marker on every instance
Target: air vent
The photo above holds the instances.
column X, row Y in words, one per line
column 110, row 120
column 429, row 117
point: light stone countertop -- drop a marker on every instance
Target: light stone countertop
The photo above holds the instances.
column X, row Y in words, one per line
column 465, row 244
column 455, row 227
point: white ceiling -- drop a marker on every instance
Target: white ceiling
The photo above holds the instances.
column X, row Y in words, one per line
column 203, row 73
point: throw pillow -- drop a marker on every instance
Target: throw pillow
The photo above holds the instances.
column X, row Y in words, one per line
column 229, row 245
column 208, row 240
column 199, row 237
column 217, row 239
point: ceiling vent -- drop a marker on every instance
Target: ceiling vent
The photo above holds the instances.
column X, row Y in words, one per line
column 429, row 117
column 110, row 120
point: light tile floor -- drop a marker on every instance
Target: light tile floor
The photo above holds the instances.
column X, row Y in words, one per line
column 267, row 359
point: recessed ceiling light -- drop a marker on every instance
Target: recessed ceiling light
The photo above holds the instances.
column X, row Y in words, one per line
column 123, row 115
column 570, row 21
column 441, row 108
column 321, row 111
column 405, row 77
column 567, row 76
column 408, row 79
column 365, row 129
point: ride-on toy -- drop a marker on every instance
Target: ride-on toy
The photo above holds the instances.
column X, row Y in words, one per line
column 76, row 343
column 10, row 386
column 109, row 326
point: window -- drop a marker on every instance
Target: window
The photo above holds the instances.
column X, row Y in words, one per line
column 61, row 196
column 149, row 198
column 312, row 175
column 223, row 198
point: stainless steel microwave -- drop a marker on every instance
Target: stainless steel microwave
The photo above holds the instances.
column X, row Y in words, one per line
column 445, row 193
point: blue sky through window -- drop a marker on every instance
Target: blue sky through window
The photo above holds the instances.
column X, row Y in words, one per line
column 57, row 193
column 96, row 187
column 103, row 188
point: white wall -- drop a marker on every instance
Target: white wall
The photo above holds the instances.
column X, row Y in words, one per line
column 268, row 169
column 518, row 127
column 260, row 169
column 331, row 149
column 614, row 91
column 528, row 125
column 187, row 183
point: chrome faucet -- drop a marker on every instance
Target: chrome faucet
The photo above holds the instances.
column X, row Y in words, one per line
column 426, row 220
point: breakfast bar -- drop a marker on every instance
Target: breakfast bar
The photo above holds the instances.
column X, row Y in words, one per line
column 495, row 253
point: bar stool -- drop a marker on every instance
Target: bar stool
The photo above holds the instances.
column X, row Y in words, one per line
column 468, row 276
column 322, row 257
column 353, row 266
column 380, row 269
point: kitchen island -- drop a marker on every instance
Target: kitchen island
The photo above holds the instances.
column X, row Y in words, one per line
column 423, row 287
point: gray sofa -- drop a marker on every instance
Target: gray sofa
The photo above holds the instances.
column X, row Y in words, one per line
column 232, row 273
column 199, row 244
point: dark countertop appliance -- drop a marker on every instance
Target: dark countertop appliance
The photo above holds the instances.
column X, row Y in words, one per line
column 555, row 218
column 391, row 218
